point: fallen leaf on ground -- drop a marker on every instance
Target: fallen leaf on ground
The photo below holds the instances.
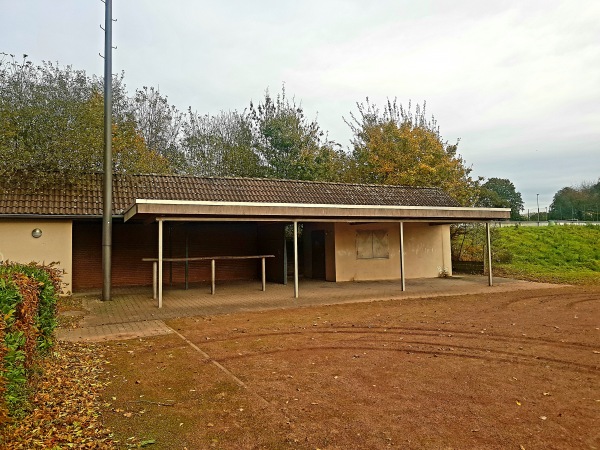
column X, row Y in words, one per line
column 65, row 404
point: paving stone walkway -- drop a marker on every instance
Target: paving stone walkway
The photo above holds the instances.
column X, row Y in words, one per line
column 132, row 312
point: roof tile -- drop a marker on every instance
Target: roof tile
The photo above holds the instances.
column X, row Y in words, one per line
column 85, row 197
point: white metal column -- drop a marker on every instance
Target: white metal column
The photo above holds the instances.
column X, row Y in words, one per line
column 264, row 274
column 160, row 262
column 213, row 274
column 489, row 253
column 402, row 278
column 295, row 259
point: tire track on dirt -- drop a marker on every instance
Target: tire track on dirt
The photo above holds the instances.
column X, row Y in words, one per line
column 478, row 335
column 436, row 344
column 577, row 302
column 479, row 354
column 413, row 331
column 555, row 298
column 518, row 355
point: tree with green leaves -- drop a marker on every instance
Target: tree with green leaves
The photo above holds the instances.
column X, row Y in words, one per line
column 219, row 145
column 397, row 146
column 160, row 124
column 501, row 193
column 577, row 202
column 288, row 145
column 51, row 124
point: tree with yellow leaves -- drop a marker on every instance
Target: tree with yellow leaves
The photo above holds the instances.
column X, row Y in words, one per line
column 395, row 146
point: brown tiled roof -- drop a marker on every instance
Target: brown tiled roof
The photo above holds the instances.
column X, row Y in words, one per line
column 84, row 198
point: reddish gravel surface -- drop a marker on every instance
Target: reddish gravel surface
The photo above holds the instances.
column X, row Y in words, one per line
column 516, row 370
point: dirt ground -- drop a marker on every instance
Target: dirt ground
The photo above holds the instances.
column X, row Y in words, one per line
column 516, row 370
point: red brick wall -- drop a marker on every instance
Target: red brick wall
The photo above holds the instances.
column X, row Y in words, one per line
column 131, row 243
column 210, row 239
column 134, row 241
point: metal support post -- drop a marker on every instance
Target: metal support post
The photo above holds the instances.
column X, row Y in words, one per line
column 213, row 272
column 264, row 276
column 154, row 279
column 295, row 259
column 402, row 277
column 160, row 262
column 489, row 253
column 187, row 264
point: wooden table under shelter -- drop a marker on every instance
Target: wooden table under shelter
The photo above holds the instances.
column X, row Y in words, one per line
column 213, row 266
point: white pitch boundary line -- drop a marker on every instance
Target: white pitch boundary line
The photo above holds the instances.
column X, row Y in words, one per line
column 221, row 367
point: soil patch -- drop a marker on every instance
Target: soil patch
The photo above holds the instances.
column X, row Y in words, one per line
column 511, row 370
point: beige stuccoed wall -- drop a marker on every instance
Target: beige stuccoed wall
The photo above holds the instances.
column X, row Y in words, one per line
column 426, row 250
column 349, row 268
column 55, row 245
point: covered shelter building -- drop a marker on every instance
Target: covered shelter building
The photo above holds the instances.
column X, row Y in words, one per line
column 242, row 228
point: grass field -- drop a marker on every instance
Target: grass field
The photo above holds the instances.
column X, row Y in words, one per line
column 555, row 254
column 561, row 254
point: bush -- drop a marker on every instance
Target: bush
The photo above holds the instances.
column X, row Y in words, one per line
column 503, row 256
column 28, row 296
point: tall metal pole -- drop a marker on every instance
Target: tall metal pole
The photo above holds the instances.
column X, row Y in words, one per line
column 538, row 205
column 107, row 178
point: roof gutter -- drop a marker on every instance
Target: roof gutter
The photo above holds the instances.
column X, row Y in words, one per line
column 57, row 216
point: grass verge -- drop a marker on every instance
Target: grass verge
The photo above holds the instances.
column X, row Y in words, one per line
column 554, row 254
column 551, row 254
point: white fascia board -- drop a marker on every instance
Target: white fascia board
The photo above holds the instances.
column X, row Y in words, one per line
column 309, row 205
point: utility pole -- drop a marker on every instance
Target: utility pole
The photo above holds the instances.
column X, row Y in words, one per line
column 107, row 177
column 538, row 206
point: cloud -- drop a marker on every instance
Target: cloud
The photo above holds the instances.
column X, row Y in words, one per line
column 518, row 82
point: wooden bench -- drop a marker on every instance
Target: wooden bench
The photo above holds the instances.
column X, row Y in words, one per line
column 213, row 265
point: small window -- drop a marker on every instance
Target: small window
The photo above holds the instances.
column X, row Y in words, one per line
column 372, row 244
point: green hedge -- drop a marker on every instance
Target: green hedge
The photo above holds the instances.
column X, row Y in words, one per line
column 28, row 296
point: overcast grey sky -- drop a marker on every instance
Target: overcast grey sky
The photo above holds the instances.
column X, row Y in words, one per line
column 517, row 81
